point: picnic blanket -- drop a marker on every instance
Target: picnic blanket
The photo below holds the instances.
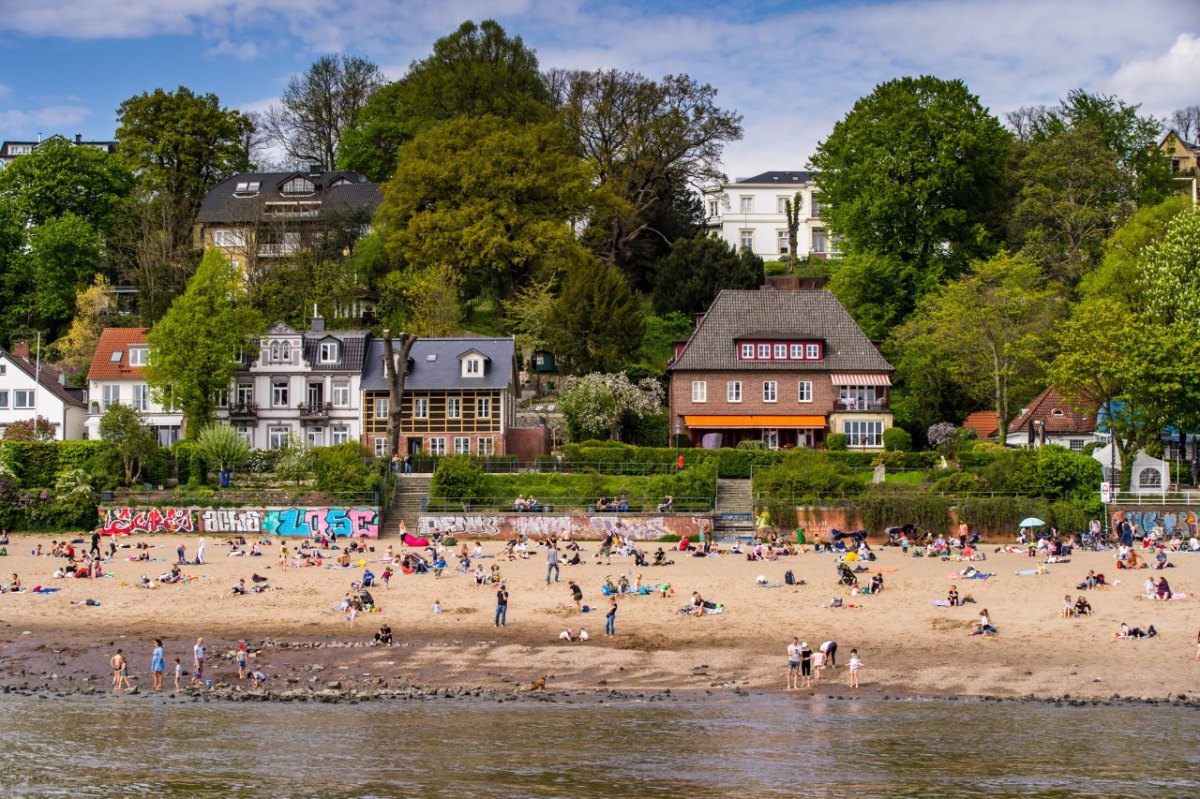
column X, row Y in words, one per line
column 975, row 576
column 686, row 610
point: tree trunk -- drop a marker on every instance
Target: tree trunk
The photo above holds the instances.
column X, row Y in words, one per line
column 395, row 368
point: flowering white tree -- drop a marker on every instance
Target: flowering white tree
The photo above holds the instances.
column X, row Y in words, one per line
column 594, row 403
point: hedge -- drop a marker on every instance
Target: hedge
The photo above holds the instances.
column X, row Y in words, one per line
column 38, row 463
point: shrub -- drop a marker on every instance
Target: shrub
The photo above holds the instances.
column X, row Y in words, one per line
column 959, row 483
column 458, row 477
column 341, row 469
column 896, row 439
column 837, row 442
column 221, row 446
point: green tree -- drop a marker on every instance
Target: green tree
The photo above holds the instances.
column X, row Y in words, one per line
column 222, row 447
column 597, row 322
column 1118, row 273
column 476, row 71
column 341, row 469
column 318, row 106
column 487, row 199
column 915, row 173
column 60, row 177
column 122, row 427
column 594, row 404
column 992, row 328
column 695, row 270
column 196, row 347
column 658, row 344
column 791, row 212
column 878, row 289
column 1170, row 274
column 94, row 309
column 64, row 256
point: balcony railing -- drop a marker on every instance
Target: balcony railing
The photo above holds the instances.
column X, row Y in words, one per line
column 315, row 412
column 243, row 410
column 843, row 405
column 276, row 250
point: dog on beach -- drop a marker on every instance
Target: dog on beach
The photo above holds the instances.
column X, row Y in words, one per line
column 538, row 684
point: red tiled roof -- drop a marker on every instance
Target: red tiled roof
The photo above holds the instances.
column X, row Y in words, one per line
column 1059, row 415
column 116, row 339
column 983, row 423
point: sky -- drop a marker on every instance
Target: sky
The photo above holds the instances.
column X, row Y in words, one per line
column 792, row 68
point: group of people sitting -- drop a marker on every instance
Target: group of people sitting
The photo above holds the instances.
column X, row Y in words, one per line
column 1156, row 590
column 1080, row 607
column 528, row 504
column 610, row 505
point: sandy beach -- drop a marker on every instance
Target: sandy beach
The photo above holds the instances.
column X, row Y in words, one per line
column 907, row 645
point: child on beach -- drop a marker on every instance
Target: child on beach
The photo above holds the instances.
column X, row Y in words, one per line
column 241, row 661
column 855, row 665
column 178, row 673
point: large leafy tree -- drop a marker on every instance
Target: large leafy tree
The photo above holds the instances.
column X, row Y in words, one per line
column 594, row 404
column 122, row 427
column 60, row 177
column 1117, row 275
column 479, row 70
column 64, row 256
column 646, row 140
column 992, row 330
column 596, row 323
column 695, row 271
column 196, row 347
column 915, row 173
column 318, row 106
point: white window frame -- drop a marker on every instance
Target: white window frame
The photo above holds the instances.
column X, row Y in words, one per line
column 246, row 433
column 137, row 356
column 746, row 204
column 781, row 237
column 770, row 437
column 796, row 352
column 733, row 391
column 863, row 432
column 462, row 445
column 437, row 445
column 746, row 239
column 245, row 392
column 314, row 436
column 779, row 352
column 699, row 391
column 329, row 352
column 24, row 398
column 485, row 445
column 454, row 407
column 340, row 394
column 483, row 407
column 472, row 367
column 381, row 407
column 277, row 437
column 339, row 435
column 812, row 352
column 764, row 352
column 420, row 407
column 747, row 352
column 804, row 391
column 280, row 393
column 229, row 238
column 110, row 394
column 380, row 447
column 141, row 397
column 820, row 241
column 770, row 391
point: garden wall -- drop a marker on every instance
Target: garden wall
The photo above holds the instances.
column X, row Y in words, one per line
column 299, row 521
column 641, row 526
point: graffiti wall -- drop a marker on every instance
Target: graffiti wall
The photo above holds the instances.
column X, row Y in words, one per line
column 538, row 525
column 340, row 522
column 1171, row 521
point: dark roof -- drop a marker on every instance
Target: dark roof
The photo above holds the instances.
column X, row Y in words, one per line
column 779, row 178
column 351, row 353
column 225, row 205
column 48, row 379
column 1059, row 416
column 805, row 315
column 444, row 371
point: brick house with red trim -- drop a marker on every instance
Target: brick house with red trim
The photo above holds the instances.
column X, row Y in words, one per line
column 783, row 367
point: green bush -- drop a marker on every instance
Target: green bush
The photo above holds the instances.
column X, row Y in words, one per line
column 896, row 439
column 458, row 477
column 341, row 470
column 157, row 467
column 837, row 442
column 804, row 477
column 959, row 483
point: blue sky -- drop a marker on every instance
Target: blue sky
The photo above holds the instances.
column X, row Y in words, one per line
column 792, row 68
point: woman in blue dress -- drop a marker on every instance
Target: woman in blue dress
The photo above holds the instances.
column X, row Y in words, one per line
column 158, row 664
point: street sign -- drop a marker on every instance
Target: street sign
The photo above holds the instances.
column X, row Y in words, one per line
column 1106, row 493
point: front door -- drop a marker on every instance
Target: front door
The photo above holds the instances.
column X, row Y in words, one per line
column 414, row 447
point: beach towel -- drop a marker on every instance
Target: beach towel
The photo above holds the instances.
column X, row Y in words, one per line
column 40, row 590
column 1027, row 572
column 708, row 611
column 770, row 585
column 941, row 603
column 975, row 576
column 883, row 570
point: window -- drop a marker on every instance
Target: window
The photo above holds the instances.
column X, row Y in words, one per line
column 747, row 239
column 472, row 367
column 453, row 408
column 817, row 205
column 1077, row 445
column 246, row 434
column 770, row 391
column 111, row 395
column 486, row 445
column 381, row 407
column 341, row 394
column 764, row 351
column 141, row 397
column 3, row 369
column 247, row 186
column 746, row 204
column 221, row 397
column 858, row 396
column 771, row 438
column 3, row 399
column 380, row 447
column 245, row 393
column 819, row 242
column 733, row 391
column 277, row 437
column 712, row 207
column 804, row 391
column 298, row 186
column 864, row 433
column 812, row 352
column 329, row 352
column 747, row 352
column 781, row 238
column 780, row 352
column 420, row 408
column 699, row 391
column 462, row 445
column 796, row 352
column 437, row 446
column 314, row 437
column 229, row 238
column 279, row 393
column 1149, row 478
column 483, row 408
column 137, row 356
column 341, row 435
column 315, row 396
column 781, row 205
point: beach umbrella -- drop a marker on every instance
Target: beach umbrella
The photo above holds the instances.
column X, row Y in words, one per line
column 1032, row 521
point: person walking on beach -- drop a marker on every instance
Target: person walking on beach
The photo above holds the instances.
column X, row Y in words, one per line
column 95, row 550
column 200, row 553
column 610, row 619
column 158, row 664
column 552, row 562
column 501, row 606
column 806, row 657
column 793, row 673
column 855, row 665
column 576, row 595
column 283, row 557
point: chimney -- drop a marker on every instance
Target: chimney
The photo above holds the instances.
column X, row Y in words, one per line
column 79, row 138
column 21, row 348
column 317, row 323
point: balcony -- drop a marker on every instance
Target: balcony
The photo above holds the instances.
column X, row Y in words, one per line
column 316, row 412
column 243, row 410
column 276, row 250
column 879, row 404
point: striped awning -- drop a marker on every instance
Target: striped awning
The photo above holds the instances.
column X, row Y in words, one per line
column 763, row 421
column 861, row 380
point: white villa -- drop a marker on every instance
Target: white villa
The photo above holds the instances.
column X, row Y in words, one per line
column 749, row 214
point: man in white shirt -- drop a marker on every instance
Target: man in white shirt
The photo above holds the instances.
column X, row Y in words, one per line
column 793, row 678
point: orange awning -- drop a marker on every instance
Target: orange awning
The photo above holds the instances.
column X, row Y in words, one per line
column 754, row 421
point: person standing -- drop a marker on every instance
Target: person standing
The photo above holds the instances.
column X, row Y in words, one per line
column 793, row 675
column 200, row 552
column 241, row 660
column 407, row 464
column 178, row 674
column 95, row 550
column 181, row 554
column 610, row 619
column 855, row 665
column 158, row 664
column 118, row 669
column 576, row 595
column 198, row 662
column 501, row 606
column 806, row 657
column 552, row 562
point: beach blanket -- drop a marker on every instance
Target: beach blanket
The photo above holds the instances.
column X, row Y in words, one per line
column 1027, row 572
column 41, row 590
column 975, row 576
column 941, row 603
column 770, row 585
column 883, row 570
column 687, row 609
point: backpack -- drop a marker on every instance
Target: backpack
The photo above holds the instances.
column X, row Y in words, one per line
column 789, row 578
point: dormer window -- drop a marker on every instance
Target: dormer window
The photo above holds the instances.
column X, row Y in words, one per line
column 137, row 356
column 472, row 367
column 329, row 352
column 299, row 185
column 1056, row 412
column 247, row 187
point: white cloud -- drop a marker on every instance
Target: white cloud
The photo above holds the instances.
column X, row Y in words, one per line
column 1167, row 82
column 243, row 51
column 49, row 119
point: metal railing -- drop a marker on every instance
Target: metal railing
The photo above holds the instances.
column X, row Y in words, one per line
column 561, row 505
column 555, row 466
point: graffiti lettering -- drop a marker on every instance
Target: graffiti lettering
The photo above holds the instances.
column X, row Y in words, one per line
column 340, row 522
column 541, row 526
column 1178, row 521
column 126, row 521
column 231, row 521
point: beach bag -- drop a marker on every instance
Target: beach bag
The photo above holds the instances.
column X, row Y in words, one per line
column 789, row 578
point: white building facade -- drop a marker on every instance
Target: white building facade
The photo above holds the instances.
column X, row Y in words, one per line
column 28, row 391
column 117, row 376
column 750, row 214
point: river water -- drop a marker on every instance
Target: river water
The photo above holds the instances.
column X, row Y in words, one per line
column 592, row 747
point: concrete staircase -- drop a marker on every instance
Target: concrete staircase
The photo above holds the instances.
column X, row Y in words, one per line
column 407, row 495
column 735, row 509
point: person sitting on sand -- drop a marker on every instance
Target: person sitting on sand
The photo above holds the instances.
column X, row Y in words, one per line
column 239, row 588
column 697, row 608
column 1162, row 590
column 344, row 559
column 567, row 635
column 13, row 586
column 984, row 625
column 952, row 597
column 876, row 583
column 1083, row 607
column 384, row 636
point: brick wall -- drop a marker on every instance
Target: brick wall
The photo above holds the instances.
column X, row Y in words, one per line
column 823, row 391
column 527, row 443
